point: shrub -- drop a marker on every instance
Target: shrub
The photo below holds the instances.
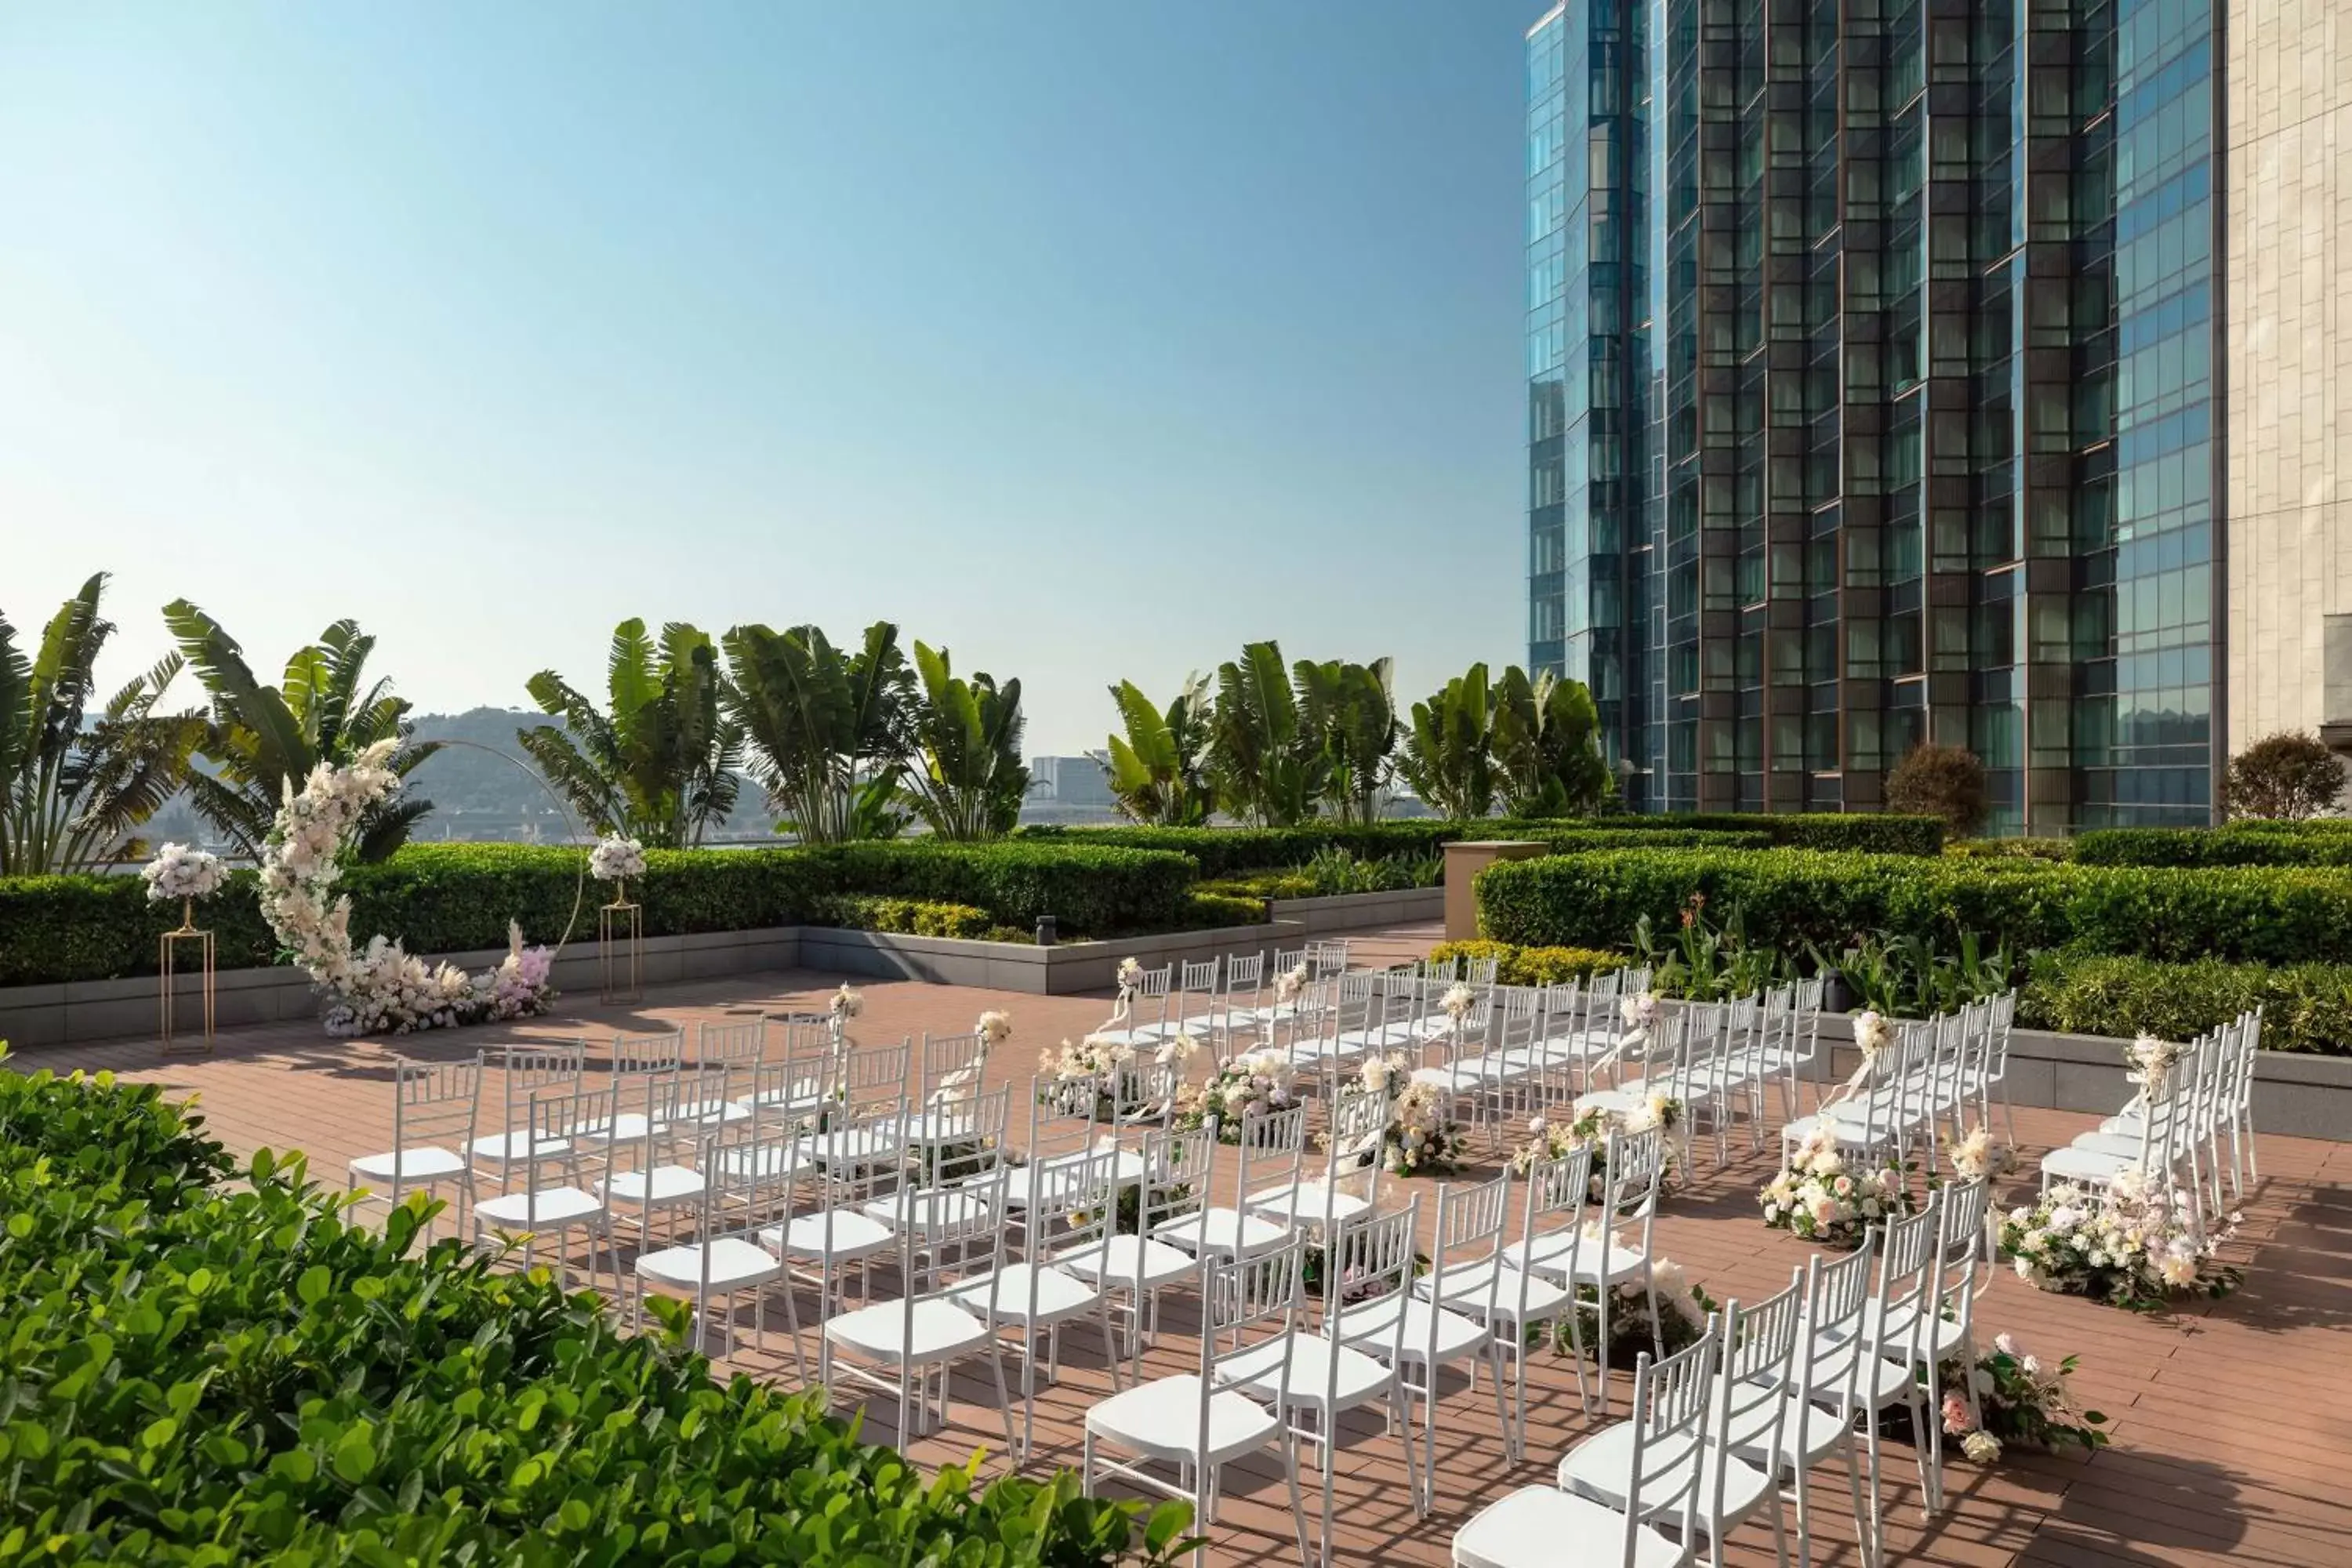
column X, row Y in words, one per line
column 1208, row 911
column 1233, row 851
column 1877, row 834
column 1578, row 840
column 1786, row 898
column 2287, row 776
column 2305, row 1006
column 1261, row 886
column 1947, row 783
column 1534, row 965
column 456, row 897
column 2012, row 848
column 913, row 917
column 2239, row 843
column 199, row 1375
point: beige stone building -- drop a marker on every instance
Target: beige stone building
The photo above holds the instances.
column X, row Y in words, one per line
column 2287, row 110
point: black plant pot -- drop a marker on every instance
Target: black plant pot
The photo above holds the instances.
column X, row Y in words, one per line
column 1837, row 997
column 1046, row 933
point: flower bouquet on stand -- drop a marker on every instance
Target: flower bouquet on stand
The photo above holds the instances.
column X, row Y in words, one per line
column 1244, row 1087
column 1422, row 1137
column 2135, row 1243
column 184, row 874
column 1827, row 1196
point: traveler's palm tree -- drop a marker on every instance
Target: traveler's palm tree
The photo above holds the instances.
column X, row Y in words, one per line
column 966, row 778
column 72, row 791
column 1546, row 737
column 658, row 766
column 263, row 737
column 1268, row 769
column 1349, row 710
column 1448, row 756
column 1155, row 769
column 827, row 731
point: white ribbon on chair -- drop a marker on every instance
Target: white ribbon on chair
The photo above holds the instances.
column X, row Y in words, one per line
column 1870, row 1033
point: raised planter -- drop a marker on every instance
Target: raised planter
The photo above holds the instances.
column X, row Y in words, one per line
column 117, row 1009
column 2296, row 1095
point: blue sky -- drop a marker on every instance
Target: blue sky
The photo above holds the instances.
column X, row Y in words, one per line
column 1090, row 339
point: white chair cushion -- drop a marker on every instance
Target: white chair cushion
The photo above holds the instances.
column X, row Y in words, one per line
column 1161, row 1264
column 1223, row 1232
column 1598, row 1469
column 1369, row 1326
column 506, row 1148
column 942, row 1329
column 934, row 1207
column 735, row 1264
column 854, row 1235
column 537, row 1211
column 2088, row 1165
column 1163, row 1419
column 1463, row 1289
column 426, row 1162
column 1309, row 1203
column 1547, row 1256
column 667, row 1183
column 1005, row 1295
column 1313, row 1362
column 1543, row 1527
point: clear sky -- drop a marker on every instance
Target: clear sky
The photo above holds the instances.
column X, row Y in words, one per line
column 1088, row 337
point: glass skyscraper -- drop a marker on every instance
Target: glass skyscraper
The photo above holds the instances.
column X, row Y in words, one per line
column 1871, row 390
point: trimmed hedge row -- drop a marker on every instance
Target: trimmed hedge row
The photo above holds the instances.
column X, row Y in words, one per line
column 1233, row 851
column 1534, row 965
column 204, row 1376
column 2305, row 1006
column 2233, row 846
column 1790, row 896
column 909, row 917
column 441, row 897
column 1871, row 834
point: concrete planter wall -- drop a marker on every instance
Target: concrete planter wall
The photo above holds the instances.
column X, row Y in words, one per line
column 2296, row 1095
column 117, row 1009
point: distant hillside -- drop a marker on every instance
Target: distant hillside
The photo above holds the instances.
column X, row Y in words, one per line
column 477, row 795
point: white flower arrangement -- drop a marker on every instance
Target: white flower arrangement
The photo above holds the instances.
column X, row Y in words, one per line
column 1680, row 1317
column 1289, row 984
column 2017, row 1399
column 1420, row 1138
column 183, row 872
column 2130, row 1243
column 994, row 1028
column 1871, row 1033
column 1131, row 974
column 1180, row 1046
column 379, row 989
column 1459, row 1000
column 1640, row 1012
column 1825, row 1197
column 1244, row 1087
column 2151, row 1060
column 617, row 860
column 1980, row 1155
column 846, row 1004
column 1549, row 1140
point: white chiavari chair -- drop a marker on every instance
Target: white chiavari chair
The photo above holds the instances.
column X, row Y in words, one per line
column 1615, row 1246
column 1178, row 1172
column 521, row 1071
column 1273, row 1148
column 725, row 1258
column 555, row 1196
column 432, row 1118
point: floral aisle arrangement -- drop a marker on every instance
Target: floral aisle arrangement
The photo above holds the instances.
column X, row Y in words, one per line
column 2018, row 1400
column 1979, row 1154
column 617, row 860
column 2134, row 1244
column 183, row 873
column 1871, row 1033
column 1244, row 1087
column 1827, row 1198
column 1289, row 985
column 1551, row 1139
column 1106, row 1065
column 993, row 1029
column 378, row 989
column 2150, row 1060
column 1680, row 1317
column 1422, row 1139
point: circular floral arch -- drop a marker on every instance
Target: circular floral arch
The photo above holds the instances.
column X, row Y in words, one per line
column 379, row 989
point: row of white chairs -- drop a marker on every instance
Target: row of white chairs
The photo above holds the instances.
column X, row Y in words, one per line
column 1227, row 1000
column 1927, row 1078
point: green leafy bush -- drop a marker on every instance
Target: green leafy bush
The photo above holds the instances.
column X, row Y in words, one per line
column 201, row 1376
column 1262, row 885
column 2011, row 848
column 1534, row 965
column 2305, row 1006
column 1233, row 851
column 1788, row 899
column 1871, row 833
column 1581, row 840
column 454, row 898
column 1209, row 911
column 911, row 917
column 2272, row 844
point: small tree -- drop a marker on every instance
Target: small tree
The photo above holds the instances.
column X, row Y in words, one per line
column 2285, row 777
column 1947, row 782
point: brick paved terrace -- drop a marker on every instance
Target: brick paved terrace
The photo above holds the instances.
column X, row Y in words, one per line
column 2230, row 1441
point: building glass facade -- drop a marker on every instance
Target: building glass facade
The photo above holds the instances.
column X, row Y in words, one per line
column 1925, row 387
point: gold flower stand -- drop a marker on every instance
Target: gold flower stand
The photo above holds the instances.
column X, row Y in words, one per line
column 620, row 950
column 167, row 955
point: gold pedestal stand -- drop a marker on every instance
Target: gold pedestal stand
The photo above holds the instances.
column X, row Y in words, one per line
column 167, row 954
column 620, row 950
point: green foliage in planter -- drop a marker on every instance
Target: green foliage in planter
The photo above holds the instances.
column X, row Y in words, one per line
column 1209, row 911
column 2233, row 846
column 1261, row 886
column 2012, row 848
column 1233, row 851
column 1534, row 965
column 201, row 1376
column 2305, row 1006
column 911, row 917
column 1871, row 833
column 1579, row 840
column 1787, row 898
column 456, row 897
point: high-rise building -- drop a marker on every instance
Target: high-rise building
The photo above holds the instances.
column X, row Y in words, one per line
column 1875, row 374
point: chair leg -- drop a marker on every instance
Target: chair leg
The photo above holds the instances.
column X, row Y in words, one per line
column 1877, row 1553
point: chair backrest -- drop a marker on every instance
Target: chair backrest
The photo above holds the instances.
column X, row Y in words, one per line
column 1198, row 979
column 1637, row 1165
column 1759, row 1358
column 1910, row 1268
column 1329, row 958
column 865, row 1156
column 944, row 1055
column 664, row 1052
column 525, row 1070
column 558, row 1118
column 1179, row 1168
column 1370, row 1258
column 1151, row 984
column 1482, row 971
column 738, row 1046
column 1248, row 971
column 874, row 1075
column 1669, row 1416
column 1353, row 1143
column 1273, row 1145
column 1837, row 1300
column 1073, row 1214
column 1442, row 970
column 1246, row 1304
column 1563, row 1009
column 434, row 1099
column 1469, row 1229
column 965, row 1137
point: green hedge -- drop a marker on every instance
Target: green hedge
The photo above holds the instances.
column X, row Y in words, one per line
column 1789, row 896
column 2233, row 846
column 1869, row 833
column 1534, row 965
column 911, row 917
column 1233, row 851
column 202, row 1375
column 443, row 898
column 2305, row 1006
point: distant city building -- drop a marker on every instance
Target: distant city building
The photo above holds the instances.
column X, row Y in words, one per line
column 1935, row 372
column 1070, row 781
